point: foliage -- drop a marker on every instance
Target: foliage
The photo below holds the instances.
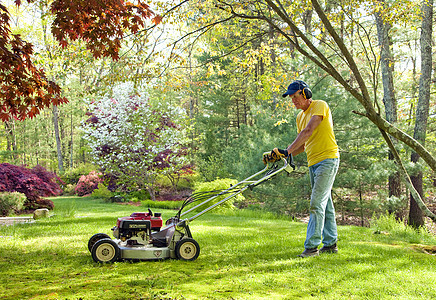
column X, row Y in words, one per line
column 394, row 204
column 40, row 203
column 34, row 183
column 101, row 192
column 212, row 167
column 133, row 195
column 25, row 89
column 185, row 181
column 244, row 255
column 242, row 157
column 11, row 202
column 234, row 94
column 184, row 174
column 69, row 190
column 161, row 204
column 132, row 142
column 92, row 21
column 72, row 175
column 88, row 183
column 388, row 224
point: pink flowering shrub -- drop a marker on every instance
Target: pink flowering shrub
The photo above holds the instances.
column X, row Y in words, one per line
column 88, row 183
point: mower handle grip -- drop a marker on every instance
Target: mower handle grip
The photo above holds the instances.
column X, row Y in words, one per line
column 288, row 160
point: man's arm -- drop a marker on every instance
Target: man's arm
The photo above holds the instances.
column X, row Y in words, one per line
column 297, row 145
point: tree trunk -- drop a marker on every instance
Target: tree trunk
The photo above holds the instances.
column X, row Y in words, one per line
column 71, row 141
column 58, row 139
column 389, row 100
column 11, row 145
column 422, row 108
column 415, row 213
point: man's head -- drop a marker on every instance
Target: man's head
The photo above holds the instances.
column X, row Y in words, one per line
column 298, row 85
column 300, row 94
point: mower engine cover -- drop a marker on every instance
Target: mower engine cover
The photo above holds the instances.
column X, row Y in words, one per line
column 137, row 222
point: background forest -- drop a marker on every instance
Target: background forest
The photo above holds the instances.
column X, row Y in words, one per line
column 212, row 73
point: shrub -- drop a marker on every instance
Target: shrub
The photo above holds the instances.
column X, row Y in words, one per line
column 34, row 183
column 388, row 225
column 41, row 203
column 11, row 202
column 140, row 195
column 116, row 199
column 88, row 183
column 72, row 175
column 182, row 181
column 212, row 168
column 69, row 190
column 101, row 192
column 212, row 188
column 161, row 204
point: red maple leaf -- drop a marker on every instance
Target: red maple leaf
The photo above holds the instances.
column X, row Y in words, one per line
column 24, row 89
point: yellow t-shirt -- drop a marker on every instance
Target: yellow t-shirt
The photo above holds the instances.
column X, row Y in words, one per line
column 322, row 143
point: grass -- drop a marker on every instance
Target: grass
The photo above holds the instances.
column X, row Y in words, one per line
column 244, row 255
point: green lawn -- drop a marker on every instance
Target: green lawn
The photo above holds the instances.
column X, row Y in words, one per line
column 244, row 255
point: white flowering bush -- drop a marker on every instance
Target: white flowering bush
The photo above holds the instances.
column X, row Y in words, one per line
column 134, row 142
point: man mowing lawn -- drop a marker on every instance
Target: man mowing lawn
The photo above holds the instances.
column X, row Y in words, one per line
column 316, row 137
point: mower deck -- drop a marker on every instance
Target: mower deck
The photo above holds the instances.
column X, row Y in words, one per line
column 145, row 252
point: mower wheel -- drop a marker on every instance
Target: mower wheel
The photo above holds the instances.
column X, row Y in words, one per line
column 105, row 251
column 187, row 249
column 96, row 237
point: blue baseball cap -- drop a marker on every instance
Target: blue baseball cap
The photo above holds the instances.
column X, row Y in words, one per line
column 295, row 87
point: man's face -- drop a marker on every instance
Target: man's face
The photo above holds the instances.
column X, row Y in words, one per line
column 298, row 100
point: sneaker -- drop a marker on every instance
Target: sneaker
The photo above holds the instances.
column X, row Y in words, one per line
column 309, row 252
column 329, row 249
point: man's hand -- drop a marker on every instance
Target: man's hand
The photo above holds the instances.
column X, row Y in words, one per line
column 275, row 155
column 279, row 153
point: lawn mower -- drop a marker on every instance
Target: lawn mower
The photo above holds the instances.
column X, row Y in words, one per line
column 141, row 236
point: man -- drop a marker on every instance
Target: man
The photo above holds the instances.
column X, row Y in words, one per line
column 316, row 137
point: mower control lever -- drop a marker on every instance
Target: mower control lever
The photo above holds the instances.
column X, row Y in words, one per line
column 290, row 161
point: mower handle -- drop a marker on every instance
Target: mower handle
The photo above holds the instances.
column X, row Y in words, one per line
column 249, row 182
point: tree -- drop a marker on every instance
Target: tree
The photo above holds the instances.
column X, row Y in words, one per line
column 34, row 183
column 422, row 108
column 133, row 142
column 387, row 63
column 24, row 88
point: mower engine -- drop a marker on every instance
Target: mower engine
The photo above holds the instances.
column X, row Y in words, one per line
column 137, row 229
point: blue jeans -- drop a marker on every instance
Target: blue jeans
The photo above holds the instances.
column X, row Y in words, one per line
column 322, row 222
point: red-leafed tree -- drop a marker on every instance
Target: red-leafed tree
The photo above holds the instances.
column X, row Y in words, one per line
column 34, row 183
column 101, row 24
